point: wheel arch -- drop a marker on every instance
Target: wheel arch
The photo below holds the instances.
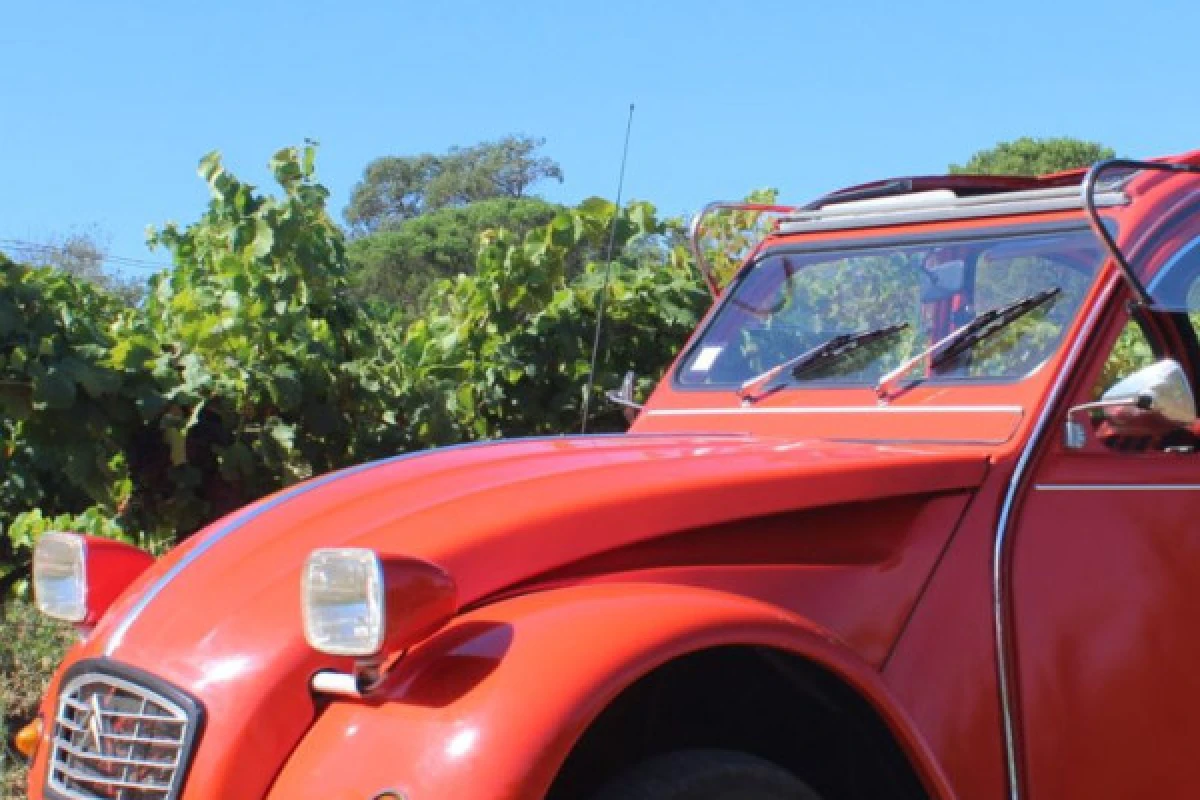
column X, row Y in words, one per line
column 495, row 706
column 765, row 701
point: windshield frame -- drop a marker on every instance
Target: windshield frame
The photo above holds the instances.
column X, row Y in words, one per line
column 884, row 240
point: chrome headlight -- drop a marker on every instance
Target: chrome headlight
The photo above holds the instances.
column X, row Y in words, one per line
column 342, row 601
column 60, row 576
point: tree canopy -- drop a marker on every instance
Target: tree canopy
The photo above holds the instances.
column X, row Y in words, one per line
column 397, row 188
column 398, row 267
column 1029, row 156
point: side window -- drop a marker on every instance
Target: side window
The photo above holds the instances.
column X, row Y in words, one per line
column 1131, row 352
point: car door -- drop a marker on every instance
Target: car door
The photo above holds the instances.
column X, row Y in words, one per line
column 1105, row 585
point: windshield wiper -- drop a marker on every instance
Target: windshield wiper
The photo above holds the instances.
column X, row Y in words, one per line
column 762, row 385
column 962, row 339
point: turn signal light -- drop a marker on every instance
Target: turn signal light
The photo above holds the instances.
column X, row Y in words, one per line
column 28, row 738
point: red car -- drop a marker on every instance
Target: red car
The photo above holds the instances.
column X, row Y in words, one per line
column 915, row 514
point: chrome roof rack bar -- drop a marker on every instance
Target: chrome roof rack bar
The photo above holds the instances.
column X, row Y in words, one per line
column 963, row 185
column 934, row 205
column 1088, row 192
column 696, row 230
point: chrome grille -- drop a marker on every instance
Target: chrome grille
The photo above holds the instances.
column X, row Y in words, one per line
column 115, row 739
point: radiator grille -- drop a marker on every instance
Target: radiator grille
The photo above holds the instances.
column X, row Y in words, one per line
column 115, row 739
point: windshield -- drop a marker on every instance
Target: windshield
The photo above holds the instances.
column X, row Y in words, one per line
column 791, row 303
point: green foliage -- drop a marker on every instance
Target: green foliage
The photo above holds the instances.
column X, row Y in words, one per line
column 1131, row 352
column 247, row 367
column 396, row 188
column 397, row 267
column 504, row 168
column 729, row 236
column 257, row 366
column 62, row 409
column 505, row 352
column 392, row 189
column 1028, row 156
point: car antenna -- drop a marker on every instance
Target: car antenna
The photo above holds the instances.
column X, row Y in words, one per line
column 608, row 259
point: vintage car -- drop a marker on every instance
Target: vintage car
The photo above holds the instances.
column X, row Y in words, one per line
column 913, row 515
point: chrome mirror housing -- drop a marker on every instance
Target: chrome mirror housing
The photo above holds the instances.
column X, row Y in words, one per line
column 1159, row 393
column 1161, row 389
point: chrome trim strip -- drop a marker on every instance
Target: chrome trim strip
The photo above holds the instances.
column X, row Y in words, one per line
column 919, row 442
column 696, row 229
column 1002, row 624
column 341, row 684
column 1118, row 487
column 702, row 412
column 242, row 518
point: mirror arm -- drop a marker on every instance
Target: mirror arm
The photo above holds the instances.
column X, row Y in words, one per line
column 1143, row 401
column 615, row 398
column 630, row 409
column 1075, row 435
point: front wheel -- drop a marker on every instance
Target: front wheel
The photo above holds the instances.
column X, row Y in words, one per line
column 706, row 775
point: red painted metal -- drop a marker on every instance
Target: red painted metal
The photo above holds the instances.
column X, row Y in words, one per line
column 504, row 682
column 818, row 522
column 111, row 567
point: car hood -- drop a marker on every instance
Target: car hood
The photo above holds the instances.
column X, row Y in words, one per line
column 220, row 617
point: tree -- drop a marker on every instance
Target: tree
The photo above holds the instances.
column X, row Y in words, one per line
column 396, row 188
column 83, row 257
column 1029, row 156
column 392, row 189
column 398, row 267
column 505, row 168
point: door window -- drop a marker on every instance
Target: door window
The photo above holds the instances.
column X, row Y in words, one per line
column 1129, row 353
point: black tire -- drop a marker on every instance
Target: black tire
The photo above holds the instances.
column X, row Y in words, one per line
column 706, row 775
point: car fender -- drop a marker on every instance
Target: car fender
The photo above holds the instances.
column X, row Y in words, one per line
column 490, row 707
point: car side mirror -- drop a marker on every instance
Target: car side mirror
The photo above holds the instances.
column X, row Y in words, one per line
column 1155, row 396
column 623, row 397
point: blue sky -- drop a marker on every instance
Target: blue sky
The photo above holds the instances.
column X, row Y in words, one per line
column 105, row 108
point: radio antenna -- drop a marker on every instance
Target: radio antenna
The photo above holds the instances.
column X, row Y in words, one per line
column 608, row 259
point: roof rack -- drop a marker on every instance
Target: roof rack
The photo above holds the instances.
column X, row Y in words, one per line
column 939, row 204
column 961, row 185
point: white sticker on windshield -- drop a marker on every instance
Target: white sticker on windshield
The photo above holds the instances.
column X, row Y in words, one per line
column 705, row 358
